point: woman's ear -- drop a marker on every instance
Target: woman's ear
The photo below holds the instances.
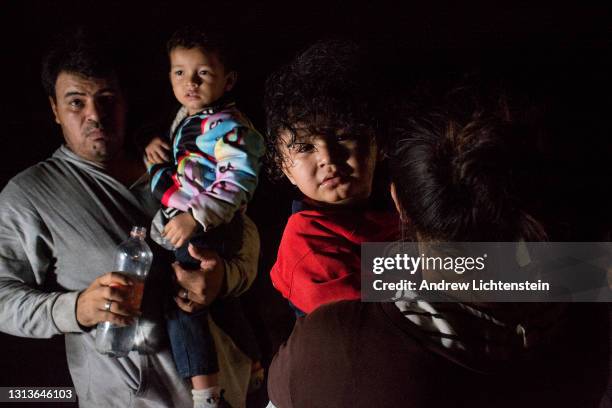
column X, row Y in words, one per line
column 396, row 201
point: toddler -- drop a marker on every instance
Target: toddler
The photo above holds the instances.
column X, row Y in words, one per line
column 322, row 138
column 215, row 158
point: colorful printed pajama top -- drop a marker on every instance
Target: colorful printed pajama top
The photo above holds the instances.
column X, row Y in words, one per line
column 217, row 156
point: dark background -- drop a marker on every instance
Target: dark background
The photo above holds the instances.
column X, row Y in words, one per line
column 556, row 56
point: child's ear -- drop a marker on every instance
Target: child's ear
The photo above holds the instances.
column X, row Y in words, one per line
column 287, row 173
column 54, row 109
column 230, row 80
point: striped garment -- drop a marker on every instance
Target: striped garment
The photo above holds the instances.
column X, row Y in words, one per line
column 216, row 160
column 477, row 334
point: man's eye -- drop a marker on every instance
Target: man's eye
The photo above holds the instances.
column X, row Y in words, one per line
column 107, row 100
column 76, row 103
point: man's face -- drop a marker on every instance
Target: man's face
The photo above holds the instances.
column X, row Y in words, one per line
column 330, row 169
column 198, row 78
column 91, row 112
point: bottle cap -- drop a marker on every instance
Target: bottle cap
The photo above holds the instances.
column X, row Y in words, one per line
column 139, row 232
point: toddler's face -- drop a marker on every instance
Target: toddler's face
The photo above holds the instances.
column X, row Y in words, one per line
column 198, row 78
column 332, row 169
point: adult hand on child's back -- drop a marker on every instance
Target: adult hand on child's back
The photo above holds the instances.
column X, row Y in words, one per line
column 199, row 287
column 157, row 151
column 107, row 299
column 179, row 229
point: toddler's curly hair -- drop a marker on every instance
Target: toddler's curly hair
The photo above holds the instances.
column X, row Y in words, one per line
column 323, row 90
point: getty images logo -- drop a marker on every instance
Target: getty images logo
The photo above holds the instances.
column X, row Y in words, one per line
column 411, row 264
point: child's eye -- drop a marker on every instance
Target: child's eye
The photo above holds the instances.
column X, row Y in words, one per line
column 203, row 72
column 303, row 147
column 178, row 72
column 345, row 137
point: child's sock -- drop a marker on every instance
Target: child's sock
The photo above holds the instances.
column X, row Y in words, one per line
column 207, row 398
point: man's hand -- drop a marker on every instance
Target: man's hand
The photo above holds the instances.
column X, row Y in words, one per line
column 112, row 287
column 179, row 229
column 199, row 287
column 157, row 151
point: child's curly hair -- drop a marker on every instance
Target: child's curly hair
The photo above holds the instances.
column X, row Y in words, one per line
column 321, row 91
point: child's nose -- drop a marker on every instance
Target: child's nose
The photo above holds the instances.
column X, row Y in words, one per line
column 323, row 156
column 194, row 81
column 326, row 155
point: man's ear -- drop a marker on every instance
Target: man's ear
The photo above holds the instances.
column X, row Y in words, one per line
column 54, row 109
column 398, row 207
column 230, row 80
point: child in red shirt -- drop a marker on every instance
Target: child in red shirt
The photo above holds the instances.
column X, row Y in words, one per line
column 322, row 137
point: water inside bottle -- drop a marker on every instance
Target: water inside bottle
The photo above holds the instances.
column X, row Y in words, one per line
column 115, row 341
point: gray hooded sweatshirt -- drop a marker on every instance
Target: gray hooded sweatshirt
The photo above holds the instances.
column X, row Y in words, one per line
column 60, row 222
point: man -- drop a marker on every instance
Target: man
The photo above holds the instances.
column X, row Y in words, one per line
column 62, row 220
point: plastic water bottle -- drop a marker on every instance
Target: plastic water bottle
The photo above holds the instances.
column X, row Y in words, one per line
column 133, row 258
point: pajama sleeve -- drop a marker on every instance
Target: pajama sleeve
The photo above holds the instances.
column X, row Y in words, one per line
column 238, row 150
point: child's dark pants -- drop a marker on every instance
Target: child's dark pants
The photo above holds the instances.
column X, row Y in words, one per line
column 192, row 343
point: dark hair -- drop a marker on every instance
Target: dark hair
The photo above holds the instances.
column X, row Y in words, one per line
column 193, row 37
column 459, row 170
column 82, row 52
column 322, row 90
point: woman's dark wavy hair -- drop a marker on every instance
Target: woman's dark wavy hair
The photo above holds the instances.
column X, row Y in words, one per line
column 460, row 169
column 323, row 90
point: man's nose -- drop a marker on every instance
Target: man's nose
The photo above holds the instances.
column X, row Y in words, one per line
column 94, row 112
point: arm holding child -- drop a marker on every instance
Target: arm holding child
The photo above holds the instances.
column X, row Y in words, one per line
column 219, row 277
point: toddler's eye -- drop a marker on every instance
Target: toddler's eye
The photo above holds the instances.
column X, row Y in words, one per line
column 345, row 136
column 203, row 72
column 303, row 147
column 178, row 72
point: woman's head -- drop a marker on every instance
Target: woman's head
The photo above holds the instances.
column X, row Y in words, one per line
column 459, row 171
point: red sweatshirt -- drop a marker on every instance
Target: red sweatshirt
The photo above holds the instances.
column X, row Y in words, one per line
column 319, row 257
